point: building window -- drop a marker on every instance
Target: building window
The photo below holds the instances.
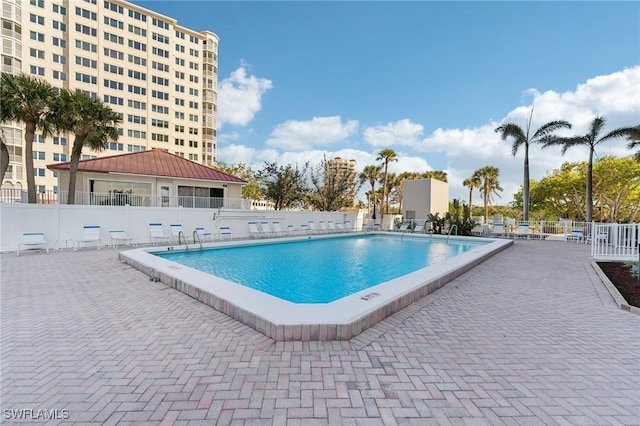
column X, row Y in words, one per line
column 160, row 109
column 113, row 38
column 114, row 100
column 180, row 75
column 113, row 69
column 59, row 75
column 160, row 95
column 137, row 60
column 113, row 7
column 86, row 13
column 86, row 78
column 116, row 85
column 193, row 157
column 179, row 115
column 60, row 9
column 137, row 89
column 36, row 19
column 136, row 134
column 137, row 15
column 137, row 45
column 178, row 128
column 113, row 53
column 59, row 26
column 33, row 35
column 137, row 104
column 59, row 140
column 137, row 75
column 89, row 47
column 85, row 29
column 38, row 138
column 135, row 148
column 59, row 42
column 59, row 59
column 36, row 53
column 37, row 3
column 36, row 70
column 137, row 30
column 193, row 144
column 38, row 155
column 38, row 172
column 179, row 142
column 59, row 157
column 160, row 38
column 137, row 119
column 113, row 22
column 114, row 146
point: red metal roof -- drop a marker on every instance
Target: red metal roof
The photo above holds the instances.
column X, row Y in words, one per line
column 155, row 162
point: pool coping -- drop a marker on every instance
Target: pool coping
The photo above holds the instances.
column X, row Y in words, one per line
column 281, row 320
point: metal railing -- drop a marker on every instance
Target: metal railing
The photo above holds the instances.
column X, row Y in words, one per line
column 126, row 199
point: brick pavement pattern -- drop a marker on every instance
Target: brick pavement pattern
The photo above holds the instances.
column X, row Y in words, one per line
column 528, row 337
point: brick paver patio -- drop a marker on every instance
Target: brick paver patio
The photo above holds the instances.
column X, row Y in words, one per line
column 529, row 337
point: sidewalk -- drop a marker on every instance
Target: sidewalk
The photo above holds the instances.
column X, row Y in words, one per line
column 530, row 336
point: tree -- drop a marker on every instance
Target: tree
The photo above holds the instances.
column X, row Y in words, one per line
column 252, row 189
column 634, row 140
column 92, row 123
column 27, row 99
column 472, row 182
column 370, row 174
column 4, row 157
column 490, row 185
column 285, row 186
column 387, row 155
column 521, row 138
column 334, row 188
column 436, row 174
column 590, row 140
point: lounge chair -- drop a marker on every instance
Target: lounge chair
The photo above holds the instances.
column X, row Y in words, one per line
column 322, row 227
column 90, row 236
column 304, row 228
column 576, row 235
column 523, row 231
column 277, row 229
column 292, row 230
column 340, row 227
column 202, row 234
column 119, row 236
column 311, row 228
column 418, row 229
column 176, row 231
column 225, row 232
column 348, row 226
column 498, row 230
column 265, row 229
column 404, row 227
column 156, row 233
column 33, row 241
column 254, row 230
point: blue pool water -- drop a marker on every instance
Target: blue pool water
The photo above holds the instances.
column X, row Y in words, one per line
column 321, row 270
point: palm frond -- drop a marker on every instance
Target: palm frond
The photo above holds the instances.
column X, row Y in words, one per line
column 622, row 132
column 550, row 127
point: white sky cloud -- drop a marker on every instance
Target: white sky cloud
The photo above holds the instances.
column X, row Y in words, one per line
column 402, row 132
column 296, row 135
column 240, row 97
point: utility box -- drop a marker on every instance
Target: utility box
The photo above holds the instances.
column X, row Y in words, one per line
column 424, row 196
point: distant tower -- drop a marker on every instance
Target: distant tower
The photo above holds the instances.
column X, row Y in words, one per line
column 338, row 165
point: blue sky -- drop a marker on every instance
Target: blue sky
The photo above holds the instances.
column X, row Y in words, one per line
column 430, row 80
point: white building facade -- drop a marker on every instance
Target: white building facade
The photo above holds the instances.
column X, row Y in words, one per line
column 160, row 77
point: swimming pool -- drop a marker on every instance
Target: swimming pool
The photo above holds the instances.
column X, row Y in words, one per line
column 341, row 319
column 321, row 270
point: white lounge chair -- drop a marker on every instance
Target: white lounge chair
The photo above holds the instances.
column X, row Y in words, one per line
column 523, row 231
column 156, row 233
column 176, row 231
column 576, row 235
column 418, row 229
column 202, row 234
column 322, row 227
column 404, row 227
column 311, row 228
column 225, row 232
column 33, row 241
column 265, row 229
column 348, row 226
column 254, row 230
column 90, row 236
column 277, row 229
column 498, row 230
column 292, row 230
column 119, row 236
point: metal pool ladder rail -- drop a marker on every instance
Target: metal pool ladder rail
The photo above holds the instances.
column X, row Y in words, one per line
column 451, row 229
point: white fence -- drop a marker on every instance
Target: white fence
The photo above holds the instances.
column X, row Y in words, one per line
column 613, row 241
column 62, row 224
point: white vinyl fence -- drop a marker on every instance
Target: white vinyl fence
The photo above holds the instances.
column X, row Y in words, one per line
column 613, row 241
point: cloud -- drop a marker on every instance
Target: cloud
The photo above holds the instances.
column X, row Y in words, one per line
column 402, row 132
column 296, row 135
column 240, row 97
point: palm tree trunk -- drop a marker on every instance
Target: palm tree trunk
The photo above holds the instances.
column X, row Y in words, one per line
column 590, row 187
column 29, row 131
column 486, row 202
column 384, row 190
column 470, row 195
column 525, row 185
column 76, row 152
column 4, row 160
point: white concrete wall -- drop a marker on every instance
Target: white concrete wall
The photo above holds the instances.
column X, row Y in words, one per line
column 425, row 196
column 62, row 222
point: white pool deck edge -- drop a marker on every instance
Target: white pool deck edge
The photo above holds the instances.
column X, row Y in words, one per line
column 282, row 320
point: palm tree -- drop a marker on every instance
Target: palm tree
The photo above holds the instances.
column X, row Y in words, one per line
column 370, row 174
column 521, row 138
column 4, row 157
column 472, row 182
column 440, row 175
column 27, row 99
column 387, row 155
column 91, row 121
column 488, row 175
column 634, row 140
column 590, row 140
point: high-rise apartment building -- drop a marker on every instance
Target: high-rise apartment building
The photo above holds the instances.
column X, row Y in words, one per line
column 159, row 76
column 343, row 167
